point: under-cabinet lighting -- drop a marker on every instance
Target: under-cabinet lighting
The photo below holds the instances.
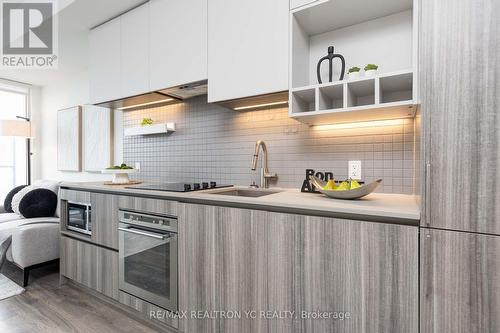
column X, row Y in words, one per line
column 259, row 105
column 374, row 123
column 145, row 104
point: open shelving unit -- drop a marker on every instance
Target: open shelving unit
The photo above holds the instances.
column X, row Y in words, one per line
column 385, row 34
column 386, row 96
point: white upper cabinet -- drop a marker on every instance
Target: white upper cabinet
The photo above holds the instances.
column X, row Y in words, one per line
column 104, row 62
column 134, row 51
column 247, row 49
column 178, row 42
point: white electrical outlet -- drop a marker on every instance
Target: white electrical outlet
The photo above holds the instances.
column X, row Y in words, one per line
column 355, row 169
column 138, row 165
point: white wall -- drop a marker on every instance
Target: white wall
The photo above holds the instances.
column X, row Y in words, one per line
column 385, row 41
column 71, row 88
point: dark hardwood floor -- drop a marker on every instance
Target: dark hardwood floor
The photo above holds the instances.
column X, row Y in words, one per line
column 46, row 307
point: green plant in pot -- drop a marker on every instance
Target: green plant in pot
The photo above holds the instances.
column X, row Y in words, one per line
column 371, row 69
column 354, row 72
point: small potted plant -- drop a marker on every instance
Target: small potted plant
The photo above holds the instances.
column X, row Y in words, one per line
column 354, row 72
column 371, row 69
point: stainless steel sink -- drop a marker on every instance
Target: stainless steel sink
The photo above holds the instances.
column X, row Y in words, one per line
column 251, row 193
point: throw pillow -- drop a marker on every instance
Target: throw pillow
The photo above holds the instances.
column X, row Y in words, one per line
column 47, row 184
column 16, row 199
column 7, row 204
column 39, row 202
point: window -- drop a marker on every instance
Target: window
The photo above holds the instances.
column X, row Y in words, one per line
column 13, row 150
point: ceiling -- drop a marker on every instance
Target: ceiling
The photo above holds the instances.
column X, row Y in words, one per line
column 75, row 18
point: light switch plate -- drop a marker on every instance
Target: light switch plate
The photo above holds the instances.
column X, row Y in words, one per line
column 355, row 169
column 137, row 165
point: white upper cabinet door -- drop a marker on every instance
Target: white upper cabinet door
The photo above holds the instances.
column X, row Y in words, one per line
column 104, row 62
column 247, row 48
column 178, row 45
column 134, row 51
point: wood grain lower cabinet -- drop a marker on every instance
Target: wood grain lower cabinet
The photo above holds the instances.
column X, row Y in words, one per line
column 369, row 270
column 90, row 265
column 223, row 266
column 245, row 260
column 460, row 112
column 460, row 282
column 105, row 219
column 104, row 215
column 199, row 265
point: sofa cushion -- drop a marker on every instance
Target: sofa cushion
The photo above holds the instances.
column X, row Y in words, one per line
column 7, row 228
column 34, row 243
column 7, row 204
column 39, row 220
column 6, row 217
column 40, row 202
column 41, row 235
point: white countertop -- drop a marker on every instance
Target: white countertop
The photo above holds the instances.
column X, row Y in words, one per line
column 381, row 207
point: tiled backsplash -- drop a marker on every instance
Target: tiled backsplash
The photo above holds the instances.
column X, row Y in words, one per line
column 215, row 143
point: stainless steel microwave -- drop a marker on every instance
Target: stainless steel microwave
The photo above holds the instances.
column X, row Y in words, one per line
column 79, row 217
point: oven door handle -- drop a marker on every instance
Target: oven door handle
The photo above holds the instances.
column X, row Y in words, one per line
column 143, row 233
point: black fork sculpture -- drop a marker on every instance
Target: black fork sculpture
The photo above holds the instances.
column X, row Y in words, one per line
column 330, row 57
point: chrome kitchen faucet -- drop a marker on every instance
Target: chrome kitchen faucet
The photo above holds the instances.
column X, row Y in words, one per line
column 265, row 175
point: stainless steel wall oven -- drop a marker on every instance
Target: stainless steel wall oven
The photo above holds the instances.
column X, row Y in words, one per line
column 148, row 257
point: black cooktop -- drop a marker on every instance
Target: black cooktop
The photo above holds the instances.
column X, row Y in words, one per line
column 178, row 187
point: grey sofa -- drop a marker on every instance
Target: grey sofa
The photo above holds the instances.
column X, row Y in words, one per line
column 35, row 241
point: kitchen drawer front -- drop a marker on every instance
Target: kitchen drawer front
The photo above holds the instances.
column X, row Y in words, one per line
column 148, row 310
column 75, row 196
column 147, row 205
column 90, row 265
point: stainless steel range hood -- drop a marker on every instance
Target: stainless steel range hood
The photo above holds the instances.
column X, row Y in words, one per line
column 187, row 90
column 159, row 98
